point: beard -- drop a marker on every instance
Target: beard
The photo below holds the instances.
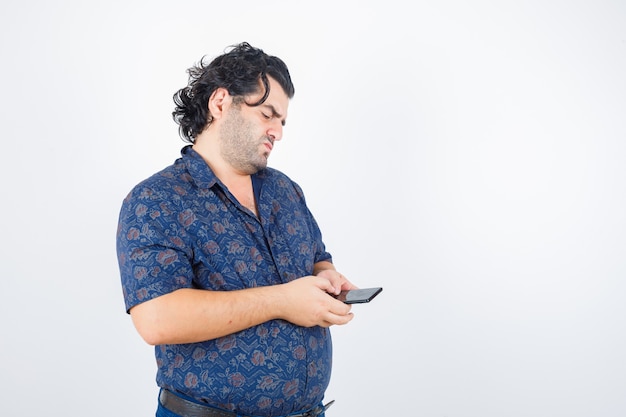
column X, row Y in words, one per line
column 239, row 146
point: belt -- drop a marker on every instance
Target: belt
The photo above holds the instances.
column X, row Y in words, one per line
column 186, row 408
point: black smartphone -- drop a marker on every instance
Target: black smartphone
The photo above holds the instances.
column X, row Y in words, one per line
column 362, row 295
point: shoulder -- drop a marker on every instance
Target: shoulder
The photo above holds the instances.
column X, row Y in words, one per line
column 276, row 178
column 165, row 186
column 172, row 179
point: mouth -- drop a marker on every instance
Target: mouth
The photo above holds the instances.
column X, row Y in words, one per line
column 269, row 144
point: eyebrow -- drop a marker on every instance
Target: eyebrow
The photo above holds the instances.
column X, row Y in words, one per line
column 275, row 113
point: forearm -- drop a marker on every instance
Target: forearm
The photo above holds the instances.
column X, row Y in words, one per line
column 322, row 266
column 192, row 315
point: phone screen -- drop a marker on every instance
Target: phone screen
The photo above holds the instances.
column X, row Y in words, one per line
column 362, row 295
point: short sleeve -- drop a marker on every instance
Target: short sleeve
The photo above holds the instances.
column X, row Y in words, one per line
column 153, row 256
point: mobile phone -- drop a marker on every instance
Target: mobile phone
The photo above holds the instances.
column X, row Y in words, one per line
column 361, row 295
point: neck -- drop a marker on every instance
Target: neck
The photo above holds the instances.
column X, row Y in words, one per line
column 239, row 184
column 209, row 151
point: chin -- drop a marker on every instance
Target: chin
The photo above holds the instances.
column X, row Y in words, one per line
column 254, row 168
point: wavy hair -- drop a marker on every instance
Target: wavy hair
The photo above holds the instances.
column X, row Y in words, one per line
column 239, row 71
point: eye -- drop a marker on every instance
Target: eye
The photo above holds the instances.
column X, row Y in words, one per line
column 266, row 116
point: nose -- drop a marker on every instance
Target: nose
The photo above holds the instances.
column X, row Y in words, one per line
column 275, row 131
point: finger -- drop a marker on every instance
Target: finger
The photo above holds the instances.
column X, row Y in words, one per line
column 324, row 283
column 337, row 280
column 339, row 320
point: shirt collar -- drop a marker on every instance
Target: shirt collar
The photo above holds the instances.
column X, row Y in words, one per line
column 201, row 174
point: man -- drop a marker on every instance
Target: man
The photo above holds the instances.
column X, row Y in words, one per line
column 223, row 267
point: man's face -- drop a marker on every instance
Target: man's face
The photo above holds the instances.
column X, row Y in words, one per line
column 248, row 133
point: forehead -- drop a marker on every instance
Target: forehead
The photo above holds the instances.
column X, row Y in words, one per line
column 277, row 98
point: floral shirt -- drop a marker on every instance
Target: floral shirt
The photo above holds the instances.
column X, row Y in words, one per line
column 182, row 228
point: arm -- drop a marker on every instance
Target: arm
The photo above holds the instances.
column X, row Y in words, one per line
column 192, row 315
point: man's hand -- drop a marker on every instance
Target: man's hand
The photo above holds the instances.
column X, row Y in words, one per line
column 307, row 301
column 337, row 280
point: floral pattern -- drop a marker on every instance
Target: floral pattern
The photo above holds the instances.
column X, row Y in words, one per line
column 181, row 228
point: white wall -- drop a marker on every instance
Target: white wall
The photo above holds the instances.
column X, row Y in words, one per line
column 467, row 157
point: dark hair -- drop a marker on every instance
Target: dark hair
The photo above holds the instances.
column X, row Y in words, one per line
column 238, row 71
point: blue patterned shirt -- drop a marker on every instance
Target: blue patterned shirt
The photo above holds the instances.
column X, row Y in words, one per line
column 182, row 228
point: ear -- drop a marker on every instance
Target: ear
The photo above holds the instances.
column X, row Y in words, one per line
column 217, row 101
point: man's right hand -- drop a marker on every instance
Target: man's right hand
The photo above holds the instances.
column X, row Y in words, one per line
column 307, row 302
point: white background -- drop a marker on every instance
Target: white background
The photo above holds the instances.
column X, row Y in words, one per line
column 469, row 157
